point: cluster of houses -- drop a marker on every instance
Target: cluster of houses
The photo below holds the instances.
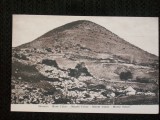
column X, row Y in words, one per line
column 131, row 91
column 112, row 60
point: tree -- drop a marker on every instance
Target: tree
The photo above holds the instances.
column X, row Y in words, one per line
column 48, row 49
column 82, row 69
column 79, row 70
column 73, row 73
column 126, row 75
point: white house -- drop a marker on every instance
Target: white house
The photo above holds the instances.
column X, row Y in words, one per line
column 140, row 93
column 150, row 93
column 130, row 91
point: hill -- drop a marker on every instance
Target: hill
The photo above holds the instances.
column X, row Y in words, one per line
column 93, row 38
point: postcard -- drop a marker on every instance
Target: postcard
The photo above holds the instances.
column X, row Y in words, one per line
column 85, row 64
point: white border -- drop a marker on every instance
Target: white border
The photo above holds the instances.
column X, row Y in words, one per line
column 74, row 108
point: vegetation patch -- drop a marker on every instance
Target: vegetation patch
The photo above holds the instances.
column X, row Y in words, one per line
column 26, row 72
column 79, row 70
column 50, row 62
column 125, row 75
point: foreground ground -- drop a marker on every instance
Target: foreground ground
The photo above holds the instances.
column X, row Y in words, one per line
column 47, row 78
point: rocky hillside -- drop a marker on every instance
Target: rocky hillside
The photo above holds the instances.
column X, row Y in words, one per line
column 82, row 63
column 92, row 38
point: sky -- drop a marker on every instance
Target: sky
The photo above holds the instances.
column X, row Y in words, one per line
column 140, row 31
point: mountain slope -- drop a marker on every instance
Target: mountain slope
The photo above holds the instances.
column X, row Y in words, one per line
column 92, row 37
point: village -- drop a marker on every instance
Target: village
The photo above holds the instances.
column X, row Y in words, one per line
column 71, row 92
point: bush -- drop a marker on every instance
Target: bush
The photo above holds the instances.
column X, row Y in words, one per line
column 125, row 75
column 82, row 69
column 48, row 49
column 99, row 86
column 79, row 69
column 50, row 62
column 73, row 73
column 87, row 95
column 21, row 56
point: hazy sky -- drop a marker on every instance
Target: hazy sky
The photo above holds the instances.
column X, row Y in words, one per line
column 140, row 31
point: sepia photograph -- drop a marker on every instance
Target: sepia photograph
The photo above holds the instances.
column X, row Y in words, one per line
column 80, row 63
